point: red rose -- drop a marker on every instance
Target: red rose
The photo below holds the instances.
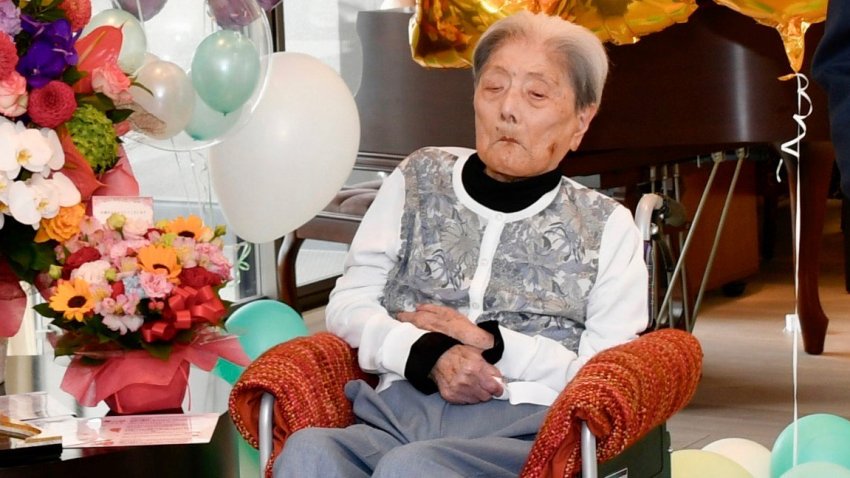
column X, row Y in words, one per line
column 198, row 277
column 75, row 260
column 52, row 105
column 8, row 56
column 117, row 289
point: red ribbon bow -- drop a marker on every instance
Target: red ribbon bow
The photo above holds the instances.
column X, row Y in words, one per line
column 186, row 306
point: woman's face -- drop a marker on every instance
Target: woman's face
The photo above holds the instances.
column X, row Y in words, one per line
column 525, row 116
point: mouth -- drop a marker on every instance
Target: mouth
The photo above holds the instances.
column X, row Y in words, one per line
column 508, row 139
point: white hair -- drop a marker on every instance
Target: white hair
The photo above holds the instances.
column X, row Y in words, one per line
column 576, row 48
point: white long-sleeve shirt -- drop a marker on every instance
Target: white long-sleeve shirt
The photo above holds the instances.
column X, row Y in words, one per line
column 536, row 367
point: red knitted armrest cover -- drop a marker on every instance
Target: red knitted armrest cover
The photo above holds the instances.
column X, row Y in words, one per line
column 622, row 393
column 306, row 375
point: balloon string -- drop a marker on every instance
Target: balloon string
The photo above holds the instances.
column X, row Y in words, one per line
column 141, row 16
column 792, row 147
column 794, row 367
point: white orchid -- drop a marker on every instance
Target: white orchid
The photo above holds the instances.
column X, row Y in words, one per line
column 25, row 148
column 57, row 158
column 34, row 152
column 68, row 193
column 5, row 181
column 32, row 200
column 4, row 210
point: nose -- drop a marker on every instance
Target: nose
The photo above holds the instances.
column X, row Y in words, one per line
column 508, row 108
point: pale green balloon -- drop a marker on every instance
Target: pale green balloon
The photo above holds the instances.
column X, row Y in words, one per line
column 260, row 325
column 207, row 123
column 225, row 70
column 821, row 437
column 817, row 469
column 134, row 44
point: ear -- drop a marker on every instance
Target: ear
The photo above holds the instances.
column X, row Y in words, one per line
column 584, row 116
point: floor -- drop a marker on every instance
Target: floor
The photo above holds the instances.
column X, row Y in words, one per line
column 747, row 386
column 746, row 390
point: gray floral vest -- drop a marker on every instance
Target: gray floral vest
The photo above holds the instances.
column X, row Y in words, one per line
column 541, row 274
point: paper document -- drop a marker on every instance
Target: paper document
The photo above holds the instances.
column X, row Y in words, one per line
column 131, row 430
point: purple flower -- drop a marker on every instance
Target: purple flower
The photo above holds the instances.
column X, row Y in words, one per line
column 10, row 18
column 50, row 52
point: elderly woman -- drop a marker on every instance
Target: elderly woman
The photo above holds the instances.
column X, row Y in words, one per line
column 480, row 281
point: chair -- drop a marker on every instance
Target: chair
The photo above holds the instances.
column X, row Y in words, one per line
column 611, row 413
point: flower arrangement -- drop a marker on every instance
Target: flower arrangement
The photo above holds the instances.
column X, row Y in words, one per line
column 64, row 104
column 127, row 285
column 136, row 304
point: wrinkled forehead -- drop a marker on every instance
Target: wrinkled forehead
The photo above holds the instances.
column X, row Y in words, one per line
column 528, row 57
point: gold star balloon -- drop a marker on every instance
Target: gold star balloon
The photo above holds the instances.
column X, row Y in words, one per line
column 443, row 33
column 790, row 17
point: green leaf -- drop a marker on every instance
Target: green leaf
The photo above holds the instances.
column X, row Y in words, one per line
column 73, row 75
column 45, row 311
column 118, row 115
column 100, row 101
column 42, row 256
column 160, row 350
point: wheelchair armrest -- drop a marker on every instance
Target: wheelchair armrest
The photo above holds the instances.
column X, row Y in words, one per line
column 305, row 376
column 622, row 393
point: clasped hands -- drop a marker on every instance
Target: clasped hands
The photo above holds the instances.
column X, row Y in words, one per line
column 461, row 374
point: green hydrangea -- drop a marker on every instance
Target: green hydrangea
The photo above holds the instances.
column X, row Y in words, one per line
column 94, row 136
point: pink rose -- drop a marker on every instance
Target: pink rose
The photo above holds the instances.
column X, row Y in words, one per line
column 112, row 82
column 156, row 286
column 13, row 95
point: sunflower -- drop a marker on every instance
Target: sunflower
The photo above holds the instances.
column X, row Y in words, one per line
column 191, row 227
column 73, row 298
column 160, row 260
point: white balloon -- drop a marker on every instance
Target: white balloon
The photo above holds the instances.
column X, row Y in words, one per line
column 753, row 457
column 168, row 95
column 293, row 155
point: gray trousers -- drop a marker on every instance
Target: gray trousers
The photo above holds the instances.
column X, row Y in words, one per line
column 402, row 433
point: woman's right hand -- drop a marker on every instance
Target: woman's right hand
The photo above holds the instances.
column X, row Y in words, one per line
column 463, row 376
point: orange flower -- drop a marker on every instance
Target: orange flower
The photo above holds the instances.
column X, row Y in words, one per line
column 191, row 226
column 63, row 226
column 73, row 298
column 160, row 260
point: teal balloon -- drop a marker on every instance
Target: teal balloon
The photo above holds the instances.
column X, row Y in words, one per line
column 207, row 123
column 820, row 438
column 225, row 70
column 817, row 469
column 260, row 325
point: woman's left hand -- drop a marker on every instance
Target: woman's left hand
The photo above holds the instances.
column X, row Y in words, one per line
column 439, row 318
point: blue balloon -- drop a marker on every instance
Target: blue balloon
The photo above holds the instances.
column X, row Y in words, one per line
column 817, row 469
column 260, row 325
column 225, row 70
column 820, row 438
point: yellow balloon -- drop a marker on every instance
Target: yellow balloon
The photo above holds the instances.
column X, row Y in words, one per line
column 704, row 464
column 623, row 22
column 443, row 33
column 790, row 17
